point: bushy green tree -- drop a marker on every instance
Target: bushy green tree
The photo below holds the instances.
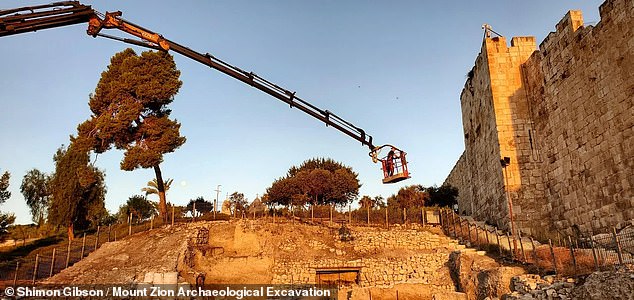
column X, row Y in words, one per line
column 6, row 220
column 202, row 206
column 408, row 197
column 237, row 202
column 130, row 112
column 138, row 206
column 36, row 192
column 315, row 181
column 445, row 195
column 77, row 190
column 4, row 186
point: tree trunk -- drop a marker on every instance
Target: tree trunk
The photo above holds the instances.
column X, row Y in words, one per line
column 161, row 192
column 71, row 232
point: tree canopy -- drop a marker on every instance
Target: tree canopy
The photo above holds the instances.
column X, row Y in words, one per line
column 445, row 195
column 316, row 181
column 4, row 186
column 129, row 108
column 237, row 202
column 77, row 190
column 202, row 205
column 36, row 191
column 152, row 186
column 6, row 219
column 138, row 206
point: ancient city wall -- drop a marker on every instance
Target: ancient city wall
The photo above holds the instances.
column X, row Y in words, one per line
column 583, row 110
column 563, row 115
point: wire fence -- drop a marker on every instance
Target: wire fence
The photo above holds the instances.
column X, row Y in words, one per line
column 50, row 260
column 47, row 261
column 375, row 217
column 567, row 256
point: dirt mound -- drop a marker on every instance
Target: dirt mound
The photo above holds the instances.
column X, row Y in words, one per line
column 127, row 261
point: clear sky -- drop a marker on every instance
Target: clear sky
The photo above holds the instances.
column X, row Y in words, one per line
column 393, row 68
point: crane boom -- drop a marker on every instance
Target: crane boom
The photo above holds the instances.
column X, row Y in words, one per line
column 58, row 14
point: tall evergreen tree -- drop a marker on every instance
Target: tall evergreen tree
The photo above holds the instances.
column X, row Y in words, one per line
column 130, row 112
column 36, row 192
column 77, row 189
column 6, row 219
column 4, row 186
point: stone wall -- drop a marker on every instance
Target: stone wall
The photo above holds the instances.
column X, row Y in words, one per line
column 382, row 257
column 459, row 177
column 563, row 115
column 583, row 109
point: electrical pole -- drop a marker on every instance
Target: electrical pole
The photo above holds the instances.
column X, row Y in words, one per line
column 216, row 200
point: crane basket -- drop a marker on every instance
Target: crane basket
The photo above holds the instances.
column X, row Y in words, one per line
column 393, row 164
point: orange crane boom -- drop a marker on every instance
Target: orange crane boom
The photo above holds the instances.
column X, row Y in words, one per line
column 58, row 14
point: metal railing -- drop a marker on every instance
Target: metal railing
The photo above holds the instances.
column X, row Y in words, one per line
column 567, row 256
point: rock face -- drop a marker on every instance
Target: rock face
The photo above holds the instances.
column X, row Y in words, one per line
column 596, row 286
column 146, row 257
column 480, row 277
column 606, row 285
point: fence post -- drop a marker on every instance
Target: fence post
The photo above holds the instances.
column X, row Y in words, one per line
column 497, row 237
column 442, row 221
column 552, row 253
column 477, row 235
column 109, row 228
column 173, row 214
column 52, row 264
column 460, row 226
column 387, row 223
column 453, row 221
column 83, row 246
column 572, row 253
column 534, row 253
column 350, row 214
column 423, row 214
column 130, row 225
column 508, row 238
column 486, row 232
column 618, row 246
column 37, row 260
column 469, row 232
column 115, row 235
column 594, row 255
column 15, row 276
column 519, row 235
column 68, row 254
column 97, row 239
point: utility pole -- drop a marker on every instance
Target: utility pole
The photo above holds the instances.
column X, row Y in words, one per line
column 216, row 200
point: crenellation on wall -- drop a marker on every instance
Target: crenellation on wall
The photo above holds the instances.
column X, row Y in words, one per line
column 563, row 115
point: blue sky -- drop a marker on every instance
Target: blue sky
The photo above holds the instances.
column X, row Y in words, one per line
column 393, row 68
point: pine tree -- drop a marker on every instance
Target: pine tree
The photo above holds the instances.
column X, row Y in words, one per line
column 130, row 112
